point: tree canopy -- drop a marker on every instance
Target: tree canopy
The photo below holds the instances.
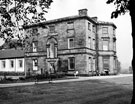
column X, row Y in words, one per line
column 122, row 6
column 16, row 13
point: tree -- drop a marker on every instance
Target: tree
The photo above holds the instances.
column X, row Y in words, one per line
column 16, row 13
column 122, row 7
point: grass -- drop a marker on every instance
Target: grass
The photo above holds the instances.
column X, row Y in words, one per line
column 107, row 91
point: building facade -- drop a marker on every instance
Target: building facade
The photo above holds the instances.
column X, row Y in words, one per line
column 76, row 43
column 12, row 60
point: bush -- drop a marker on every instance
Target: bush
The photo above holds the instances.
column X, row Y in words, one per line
column 9, row 79
column 12, row 73
column 40, row 77
column 21, row 78
column 60, row 74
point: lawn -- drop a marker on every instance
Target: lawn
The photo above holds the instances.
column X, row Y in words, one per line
column 105, row 91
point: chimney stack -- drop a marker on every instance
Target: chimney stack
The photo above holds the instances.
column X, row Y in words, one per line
column 83, row 12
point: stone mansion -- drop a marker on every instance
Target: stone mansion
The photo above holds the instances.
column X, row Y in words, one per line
column 75, row 43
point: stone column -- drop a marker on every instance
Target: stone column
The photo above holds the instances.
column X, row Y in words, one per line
column 111, row 65
column 100, row 64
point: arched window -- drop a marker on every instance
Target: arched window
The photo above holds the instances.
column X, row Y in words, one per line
column 52, row 48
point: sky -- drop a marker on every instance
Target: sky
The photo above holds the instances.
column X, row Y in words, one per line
column 99, row 8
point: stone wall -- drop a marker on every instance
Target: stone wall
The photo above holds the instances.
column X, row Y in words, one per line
column 82, row 50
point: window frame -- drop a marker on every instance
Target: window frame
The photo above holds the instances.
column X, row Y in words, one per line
column 12, row 64
column 104, row 31
column 35, row 62
column 3, row 62
column 105, row 59
column 69, row 23
column 114, row 31
column 52, row 28
column 89, row 41
column 105, row 40
column 34, row 47
column 89, row 26
column 94, row 28
column 71, row 65
column 52, row 42
column 69, row 43
column 20, row 63
column 94, row 43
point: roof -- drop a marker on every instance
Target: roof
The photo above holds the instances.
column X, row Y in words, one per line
column 106, row 23
column 69, row 18
column 59, row 20
column 11, row 53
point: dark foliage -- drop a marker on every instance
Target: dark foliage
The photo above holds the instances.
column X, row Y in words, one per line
column 12, row 73
column 16, row 13
column 123, row 6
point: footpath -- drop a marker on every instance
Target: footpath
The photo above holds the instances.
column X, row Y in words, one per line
column 78, row 78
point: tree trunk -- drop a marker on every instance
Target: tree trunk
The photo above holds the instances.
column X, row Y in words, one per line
column 132, row 11
column 133, row 36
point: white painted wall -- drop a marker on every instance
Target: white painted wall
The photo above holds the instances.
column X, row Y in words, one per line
column 16, row 67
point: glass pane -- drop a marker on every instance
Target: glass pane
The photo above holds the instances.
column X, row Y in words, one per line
column 105, row 30
column 12, row 64
column 52, row 50
column 89, row 26
column 106, row 62
column 20, row 63
column 72, row 63
column 105, row 45
column 71, row 43
column 52, row 28
column 35, row 45
column 70, row 25
column 3, row 64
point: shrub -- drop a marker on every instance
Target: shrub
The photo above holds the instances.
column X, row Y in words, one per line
column 40, row 77
column 9, row 79
column 21, row 78
column 12, row 73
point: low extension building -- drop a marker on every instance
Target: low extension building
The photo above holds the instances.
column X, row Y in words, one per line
column 75, row 43
column 12, row 60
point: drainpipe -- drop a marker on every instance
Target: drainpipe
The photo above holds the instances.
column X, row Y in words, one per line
column 25, row 64
column 97, row 54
